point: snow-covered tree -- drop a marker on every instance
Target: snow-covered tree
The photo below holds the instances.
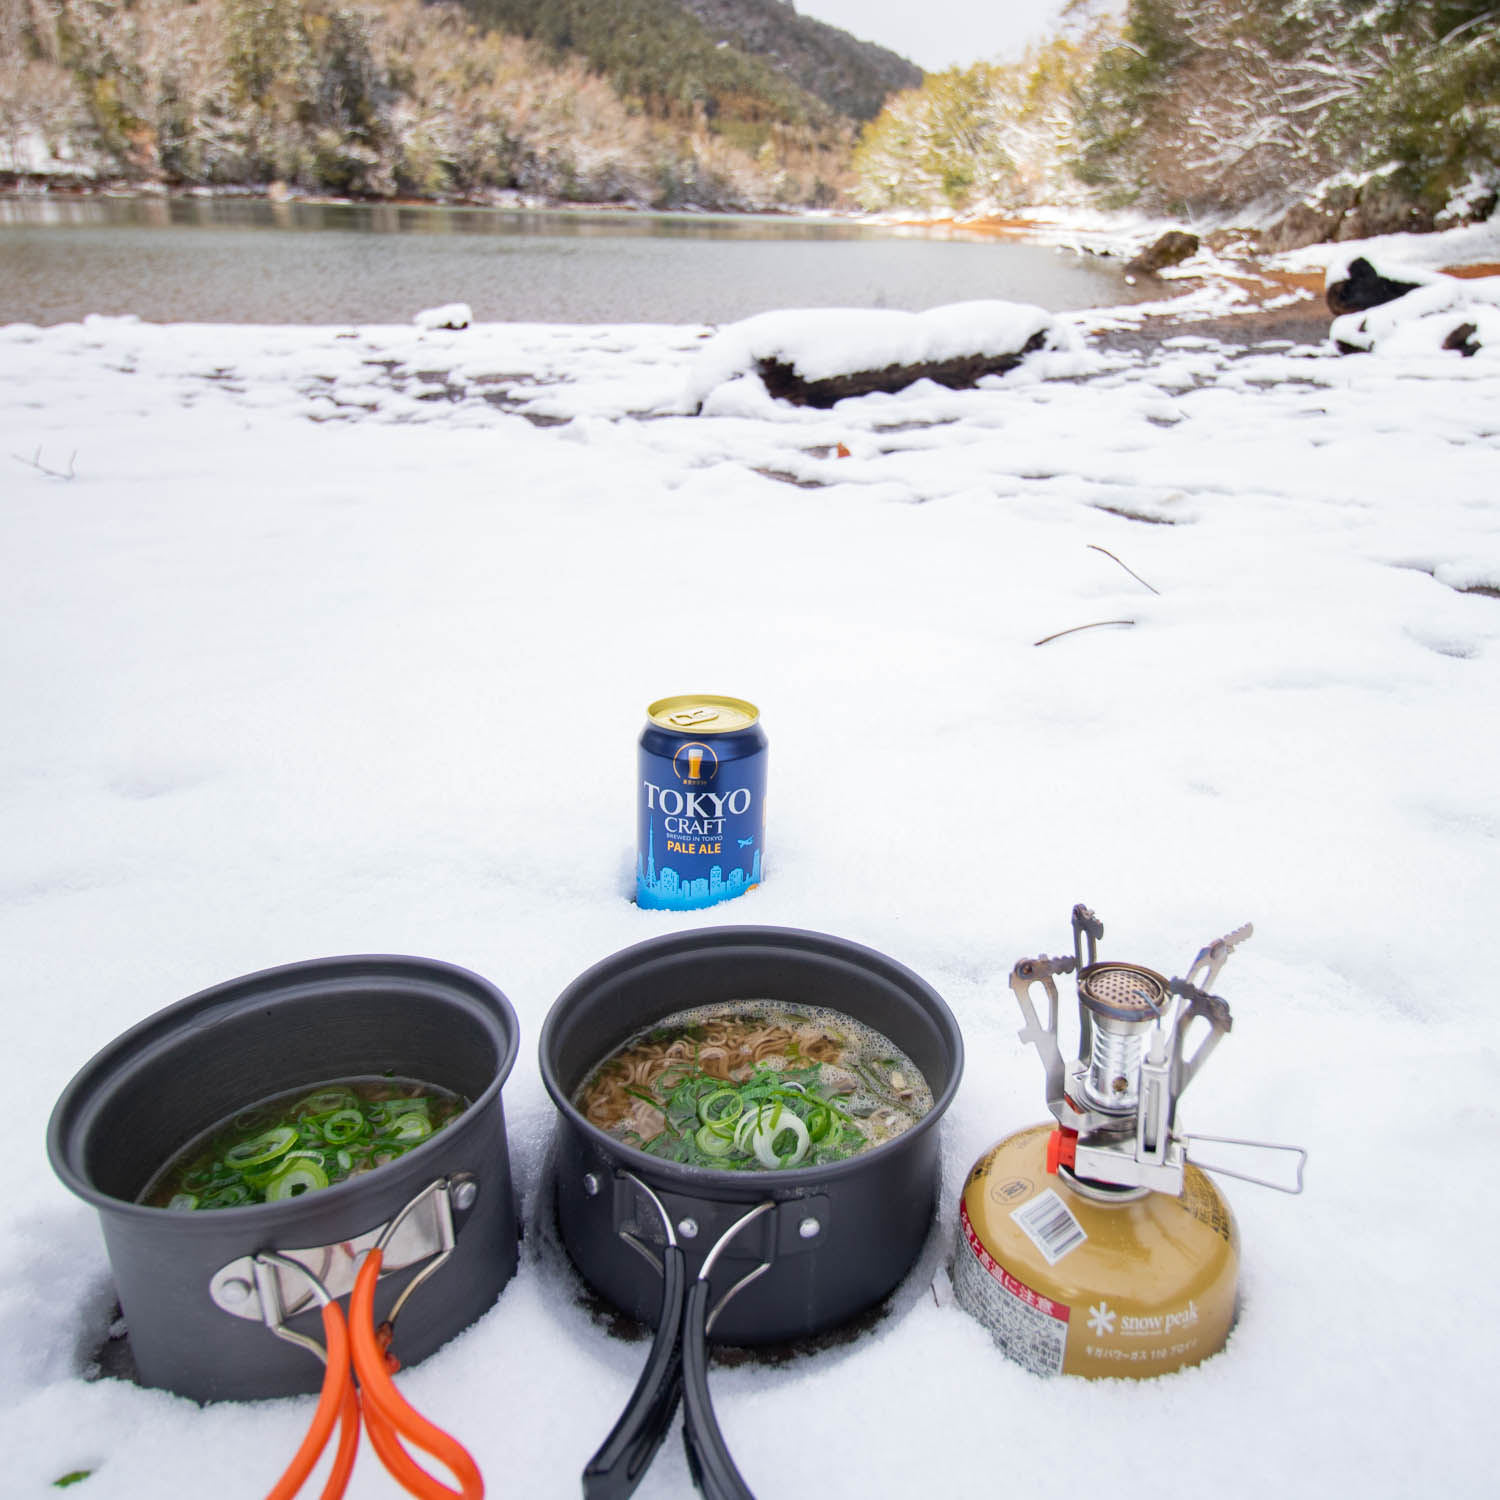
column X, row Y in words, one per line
column 984, row 139
column 1215, row 104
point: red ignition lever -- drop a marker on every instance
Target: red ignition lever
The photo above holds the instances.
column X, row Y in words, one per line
column 1062, row 1150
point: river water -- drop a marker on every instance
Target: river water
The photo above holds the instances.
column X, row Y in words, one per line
column 242, row 260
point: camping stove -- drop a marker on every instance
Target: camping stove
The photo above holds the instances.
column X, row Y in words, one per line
column 1099, row 1247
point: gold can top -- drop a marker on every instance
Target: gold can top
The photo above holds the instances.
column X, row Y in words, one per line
column 702, row 713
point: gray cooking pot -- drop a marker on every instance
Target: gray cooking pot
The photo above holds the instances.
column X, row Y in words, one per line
column 749, row 1257
column 194, row 1306
column 841, row 1236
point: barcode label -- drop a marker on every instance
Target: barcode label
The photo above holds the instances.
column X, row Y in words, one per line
column 1049, row 1224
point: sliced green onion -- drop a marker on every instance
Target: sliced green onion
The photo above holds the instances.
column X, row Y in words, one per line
column 765, row 1138
column 325, row 1101
column 183, row 1201
column 731, row 1111
column 411, row 1128
column 342, row 1126
column 712, row 1143
column 394, row 1108
column 262, row 1148
column 229, row 1197
column 300, row 1176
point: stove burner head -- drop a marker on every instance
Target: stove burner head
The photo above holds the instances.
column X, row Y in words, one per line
column 1123, row 992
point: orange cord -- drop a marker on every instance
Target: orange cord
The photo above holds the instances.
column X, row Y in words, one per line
column 388, row 1416
column 336, row 1401
column 343, row 1460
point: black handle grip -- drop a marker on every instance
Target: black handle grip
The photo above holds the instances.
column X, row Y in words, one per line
column 625, row 1455
column 712, row 1468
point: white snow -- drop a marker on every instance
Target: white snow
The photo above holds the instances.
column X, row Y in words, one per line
column 1469, row 244
column 333, row 640
column 450, row 315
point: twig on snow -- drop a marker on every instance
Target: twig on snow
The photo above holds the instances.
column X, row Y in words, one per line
column 1074, row 629
column 36, row 463
column 1110, row 555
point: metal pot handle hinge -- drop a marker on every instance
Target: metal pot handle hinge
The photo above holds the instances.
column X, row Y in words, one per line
column 676, row 1369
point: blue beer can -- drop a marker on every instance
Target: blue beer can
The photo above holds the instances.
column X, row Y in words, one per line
column 702, row 802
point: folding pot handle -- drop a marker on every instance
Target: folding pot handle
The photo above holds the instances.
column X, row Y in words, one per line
column 390, row 1419
column 625, row 1455
column 336, row 1402
column 714, row 1472
column 713, row 1469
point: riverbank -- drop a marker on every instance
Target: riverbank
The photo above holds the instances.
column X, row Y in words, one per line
column 1230, row 285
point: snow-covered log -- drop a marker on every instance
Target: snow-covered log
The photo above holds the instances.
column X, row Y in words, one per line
column 817, row 356
column 1412, row 311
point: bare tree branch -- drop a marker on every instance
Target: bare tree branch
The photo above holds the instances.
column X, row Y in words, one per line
column 35, row 462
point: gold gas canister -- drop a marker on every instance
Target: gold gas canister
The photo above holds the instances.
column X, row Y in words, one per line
column 1095, row 1247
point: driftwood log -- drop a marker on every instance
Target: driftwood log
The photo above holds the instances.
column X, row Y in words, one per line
column 783, row 382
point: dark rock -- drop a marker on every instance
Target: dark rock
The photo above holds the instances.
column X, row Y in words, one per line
column 1306, row 223
column 1171, row 249
column 783, row 382
column 1383, row 210
column 1462, row 339
column 1364, row 287
column 1346, row 212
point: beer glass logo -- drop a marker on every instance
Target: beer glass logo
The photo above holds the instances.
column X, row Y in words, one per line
column 695, row 762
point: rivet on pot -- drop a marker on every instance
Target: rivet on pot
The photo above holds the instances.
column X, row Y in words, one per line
column 688, row 1228
column 809, row 1228
column 233, row 1291
column 591, row 1184
column 464, row 1194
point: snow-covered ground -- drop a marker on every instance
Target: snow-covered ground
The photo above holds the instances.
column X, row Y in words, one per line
column 338, row 640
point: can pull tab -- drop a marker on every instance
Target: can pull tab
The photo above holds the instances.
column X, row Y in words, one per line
column 685, row 718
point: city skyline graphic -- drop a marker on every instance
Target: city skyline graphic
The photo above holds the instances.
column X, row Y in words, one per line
column 667, row 889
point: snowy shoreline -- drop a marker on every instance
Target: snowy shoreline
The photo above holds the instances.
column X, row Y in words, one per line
column 336, row 639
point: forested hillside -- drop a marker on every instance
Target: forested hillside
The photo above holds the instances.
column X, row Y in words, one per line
column 1319, row 118
column 628, row 101
column 742, row 59
column 1314, row 119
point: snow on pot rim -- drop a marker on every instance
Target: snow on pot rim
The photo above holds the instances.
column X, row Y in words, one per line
column 845, row 1233
column 155, row 1087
